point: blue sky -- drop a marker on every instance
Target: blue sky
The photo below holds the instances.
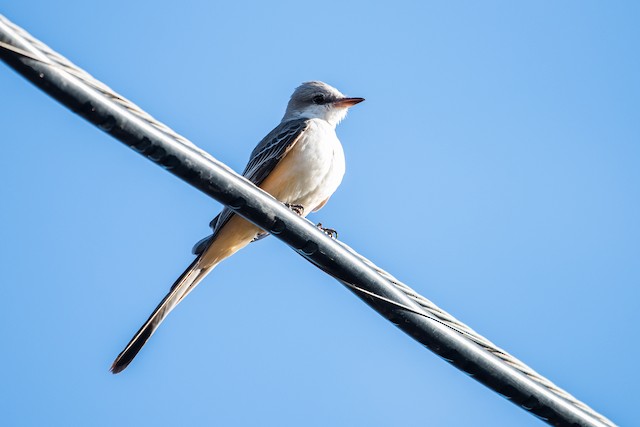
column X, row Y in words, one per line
column 494, row 167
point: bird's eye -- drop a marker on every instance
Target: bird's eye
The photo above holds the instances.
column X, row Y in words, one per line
column 318, row 99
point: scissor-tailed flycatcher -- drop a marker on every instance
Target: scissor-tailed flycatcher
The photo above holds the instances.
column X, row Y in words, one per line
column 300, row 163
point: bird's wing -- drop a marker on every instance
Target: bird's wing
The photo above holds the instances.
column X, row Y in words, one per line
column 273, row 148
column 263, row 160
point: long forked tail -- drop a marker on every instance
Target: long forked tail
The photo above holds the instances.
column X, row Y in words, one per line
column 185, row 284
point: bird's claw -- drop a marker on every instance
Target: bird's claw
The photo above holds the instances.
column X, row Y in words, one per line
column 328, row 231
column 298, row 209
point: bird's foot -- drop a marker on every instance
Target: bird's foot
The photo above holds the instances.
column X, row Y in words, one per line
column 328, row 231
column 298, row 209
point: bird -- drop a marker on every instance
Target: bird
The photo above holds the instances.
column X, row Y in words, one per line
column 300, row 162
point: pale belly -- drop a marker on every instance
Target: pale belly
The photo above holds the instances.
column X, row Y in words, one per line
column 311, row 172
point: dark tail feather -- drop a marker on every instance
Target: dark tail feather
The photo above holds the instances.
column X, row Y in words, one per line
column 185, row 283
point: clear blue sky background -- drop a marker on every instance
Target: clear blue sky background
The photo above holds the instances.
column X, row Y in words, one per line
column 495, row 167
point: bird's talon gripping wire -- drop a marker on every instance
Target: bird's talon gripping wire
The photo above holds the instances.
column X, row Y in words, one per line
column 328, row 231
column 298, row 209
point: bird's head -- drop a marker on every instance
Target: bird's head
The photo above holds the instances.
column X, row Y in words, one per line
column 318, row 100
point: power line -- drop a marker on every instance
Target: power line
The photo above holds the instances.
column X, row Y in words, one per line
column 411, row 312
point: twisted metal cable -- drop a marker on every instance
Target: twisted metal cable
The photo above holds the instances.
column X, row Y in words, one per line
column 45, row 54
column 465, row 330
column 51, row 57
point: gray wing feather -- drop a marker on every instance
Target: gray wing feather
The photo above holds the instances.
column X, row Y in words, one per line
column 273, row 148
column 262, row 161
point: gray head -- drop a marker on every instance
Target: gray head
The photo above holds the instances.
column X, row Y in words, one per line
column 318, row 100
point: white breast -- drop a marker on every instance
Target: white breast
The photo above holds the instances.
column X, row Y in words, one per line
column 312, row 171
